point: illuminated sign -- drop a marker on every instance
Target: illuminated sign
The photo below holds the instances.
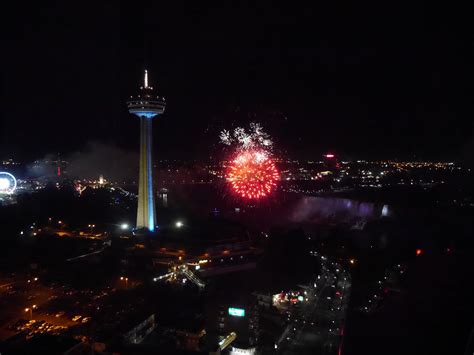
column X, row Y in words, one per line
column 237, row 312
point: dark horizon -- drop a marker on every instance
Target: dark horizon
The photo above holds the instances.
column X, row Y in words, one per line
column 365, row 82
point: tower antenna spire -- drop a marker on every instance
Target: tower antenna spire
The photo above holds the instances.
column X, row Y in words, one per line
column 146, row 79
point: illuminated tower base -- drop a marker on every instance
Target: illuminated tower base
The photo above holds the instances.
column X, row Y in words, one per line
column 146, row 106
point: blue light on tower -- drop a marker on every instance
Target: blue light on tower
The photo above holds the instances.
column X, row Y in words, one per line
column 146, row 106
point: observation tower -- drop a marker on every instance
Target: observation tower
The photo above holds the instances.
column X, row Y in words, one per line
column 146, row 106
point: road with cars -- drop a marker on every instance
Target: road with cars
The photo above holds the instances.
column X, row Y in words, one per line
column 317, row 326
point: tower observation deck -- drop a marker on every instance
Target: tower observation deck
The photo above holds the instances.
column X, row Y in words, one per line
column 146, row 105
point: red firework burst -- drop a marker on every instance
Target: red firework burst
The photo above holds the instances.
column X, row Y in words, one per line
column 252, row 174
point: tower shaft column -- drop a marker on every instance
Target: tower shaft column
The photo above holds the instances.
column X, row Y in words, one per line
column 146, row 200
column 146, row 106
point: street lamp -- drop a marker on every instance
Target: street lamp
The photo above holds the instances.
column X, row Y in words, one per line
column 30, row 309
column 179, row 224
column 123, row 278
column 124, row 226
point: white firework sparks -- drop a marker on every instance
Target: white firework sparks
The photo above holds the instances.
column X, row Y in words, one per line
column 260, row 156
column 225, row 137
column 254, row 138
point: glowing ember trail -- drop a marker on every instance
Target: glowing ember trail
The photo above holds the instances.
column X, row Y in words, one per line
column 253, row 174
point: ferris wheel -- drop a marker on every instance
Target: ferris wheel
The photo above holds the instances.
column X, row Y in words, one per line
column 7, row 183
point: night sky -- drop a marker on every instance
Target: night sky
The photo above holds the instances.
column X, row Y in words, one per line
column 367, row 81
